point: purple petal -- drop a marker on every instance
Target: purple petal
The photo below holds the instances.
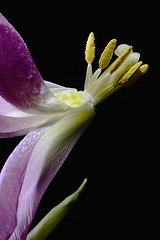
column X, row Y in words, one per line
column 20, row 82
column 30, row 185
column 11, row 180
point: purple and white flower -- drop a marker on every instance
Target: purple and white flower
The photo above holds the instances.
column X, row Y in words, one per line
column 51, row 116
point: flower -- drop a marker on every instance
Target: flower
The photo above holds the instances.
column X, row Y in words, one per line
column 52, row 116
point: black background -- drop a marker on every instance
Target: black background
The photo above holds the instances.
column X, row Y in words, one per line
column 118, row 153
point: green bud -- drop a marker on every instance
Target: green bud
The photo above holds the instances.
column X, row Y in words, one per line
column 55, row 216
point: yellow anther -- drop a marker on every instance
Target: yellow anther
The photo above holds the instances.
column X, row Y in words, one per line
column 129, row 73
column 90, row 48
column 120, row 59
column 136, row 76
column 143, row 69
column 107, row 54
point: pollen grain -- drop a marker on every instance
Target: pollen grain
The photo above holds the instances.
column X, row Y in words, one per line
column 90, row 48
column 107, row 54
column 129, row 73
column 136, row 76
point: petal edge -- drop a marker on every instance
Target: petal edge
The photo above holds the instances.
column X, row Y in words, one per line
column 20, row 82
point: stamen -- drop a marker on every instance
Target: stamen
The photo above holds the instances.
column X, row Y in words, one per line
column 90, row 48
column 107, row 54
column 120, row 59
column 129, row 73
column 88, row 75
column 136, row 76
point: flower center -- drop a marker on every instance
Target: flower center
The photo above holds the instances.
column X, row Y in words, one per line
column 123, row 72
column 72, row 99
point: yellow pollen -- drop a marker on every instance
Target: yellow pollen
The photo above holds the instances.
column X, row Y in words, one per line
column 120, row 59
column 90, row 48
column 129, row 73
column 136, row 76
column 107, row 54
column 73, row 99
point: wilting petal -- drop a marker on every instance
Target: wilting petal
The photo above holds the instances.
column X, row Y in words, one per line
column 21, row 186
column 55, row 216
column 14, row 122
column 58, row 140
column 19, row 126
column 11, row 180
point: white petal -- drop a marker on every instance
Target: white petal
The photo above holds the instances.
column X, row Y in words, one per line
column 58, row 88
column 14, row 122
column 134, row 58
column 19, row 126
